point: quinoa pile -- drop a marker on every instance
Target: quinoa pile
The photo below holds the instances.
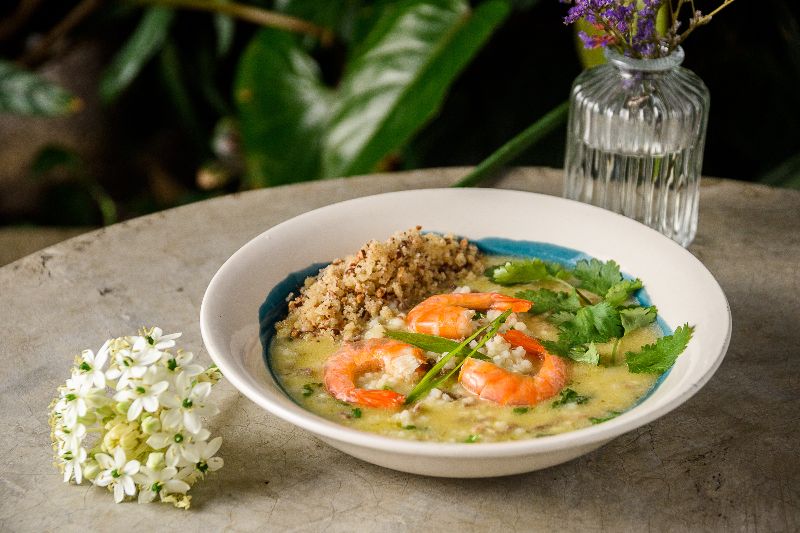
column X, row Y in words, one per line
column 390, row 276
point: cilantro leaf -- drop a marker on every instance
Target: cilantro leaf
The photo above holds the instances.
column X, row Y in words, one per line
column 569, row 396
column 622, row 291
column 594, row 323
column 658, row 357
column 545, row 300
column 557, row 348
column 585, row 354
column 577, row 332
column 634, row 318
column 557, row 270
column 308, row 388
column 561, row 317
column 609, row 416
column 597, row 276
column 510, row 273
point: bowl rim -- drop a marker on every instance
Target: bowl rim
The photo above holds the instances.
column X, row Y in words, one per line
column 326, row 429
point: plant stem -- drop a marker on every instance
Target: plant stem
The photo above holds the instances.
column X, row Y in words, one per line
column 586, row 300
column 617, row 35
column 614, row 352
column 252, row 14
column 702, row 21
column 516, row 146
column 73, row 18
column 12, row 23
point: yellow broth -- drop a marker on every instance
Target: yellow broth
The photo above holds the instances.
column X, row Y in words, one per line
column 609, row 387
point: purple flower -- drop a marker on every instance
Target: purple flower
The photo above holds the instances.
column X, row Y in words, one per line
column 632, row 30
column 594, row 41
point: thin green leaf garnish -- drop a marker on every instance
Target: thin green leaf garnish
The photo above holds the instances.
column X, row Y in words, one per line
column 472, row 438
column 658, row 357
column 521, row 410
column 494, row 327
column 356, row 413
column 429, row 343
column 568, row 396
column 429, row 381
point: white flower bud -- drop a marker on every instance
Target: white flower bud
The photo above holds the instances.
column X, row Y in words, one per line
column 151, row 424
column 91, row 469
column 89, row 419
column 155, row 460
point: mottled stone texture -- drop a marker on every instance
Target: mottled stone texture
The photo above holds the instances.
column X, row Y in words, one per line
column 727, row 460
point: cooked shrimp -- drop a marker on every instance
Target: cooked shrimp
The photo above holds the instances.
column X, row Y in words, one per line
column 490, row 382
column 450, row 315
column 356, row 358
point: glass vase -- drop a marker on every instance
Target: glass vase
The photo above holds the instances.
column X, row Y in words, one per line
column 635, row 141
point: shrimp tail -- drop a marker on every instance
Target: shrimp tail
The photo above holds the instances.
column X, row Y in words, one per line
column 531, row 345
column 382, row 399
column 517, row 305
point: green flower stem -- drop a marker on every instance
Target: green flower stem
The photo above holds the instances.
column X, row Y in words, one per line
column 516, row 146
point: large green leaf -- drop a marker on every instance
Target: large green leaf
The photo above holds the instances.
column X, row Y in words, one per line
column 294, row 128
column 26, row 93
column 327, row 14
column 147, row 39
column 399, row 77
column 283, row 108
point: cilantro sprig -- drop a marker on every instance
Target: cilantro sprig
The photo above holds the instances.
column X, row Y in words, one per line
column 658, row 357
column 633, row 318
column 583, row 324
column 597, row 276
column 580, row 331
column 525, row 271
column 545, row 300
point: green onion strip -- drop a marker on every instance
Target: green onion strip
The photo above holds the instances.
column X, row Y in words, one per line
column 427, row 383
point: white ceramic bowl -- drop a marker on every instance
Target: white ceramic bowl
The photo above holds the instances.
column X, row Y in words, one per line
column 682, row 288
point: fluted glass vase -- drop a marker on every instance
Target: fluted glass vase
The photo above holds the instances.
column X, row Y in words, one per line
column 635, row 141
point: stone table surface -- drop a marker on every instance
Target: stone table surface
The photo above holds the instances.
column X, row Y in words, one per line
column 728, row 459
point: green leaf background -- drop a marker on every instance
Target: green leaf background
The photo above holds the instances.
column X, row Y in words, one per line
column 26, row 93
column 147, row 39
column 295, row 128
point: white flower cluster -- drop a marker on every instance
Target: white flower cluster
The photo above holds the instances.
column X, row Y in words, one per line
column 145, row 409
